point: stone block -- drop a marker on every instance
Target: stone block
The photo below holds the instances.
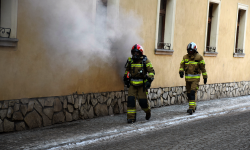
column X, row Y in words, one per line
column 20, row 126
column 101, row 110
column 166, row 89
column 112, row 95
column 170, row 93
column 123, row 98
column 3, row 113
column 159, row 92
column 91, row 113
column 83, row 99
column 1, row 126
column 23, row 109
column 120, row 105
column 85, row 113
column 31, row 105
column 161, row 101
column 46, row 120
column 179, row 90
column 165, row 102
column 1, row 105
column 172, row 100
column 125, row 107
column 154, row 96
column 109, row 101
column 41, row 101
column 65, row 103
column 165, row 95
column 8, row 126
column 17, row 116
column 11, row 103
column 68, row 116
column 111, row 111
column 152, row 104
column 49, row 101
column 10, row 112
column 94, row 102
column 16, row 107
column 5, row 105
column 49, row 112
column 33, row 120
column 179, row 99
column 24, row 100
column 38, row 107
column 75, row 115
column 118, row 94
column 70, row 108
column 70, row 99
column 114, row 102
column 76, row 103
column 58, row 118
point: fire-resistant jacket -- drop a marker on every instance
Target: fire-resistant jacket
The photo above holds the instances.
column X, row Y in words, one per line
column 138, row 72
column 193, row 65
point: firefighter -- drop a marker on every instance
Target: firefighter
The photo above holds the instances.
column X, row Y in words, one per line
column 138, row 77
column 192, row 65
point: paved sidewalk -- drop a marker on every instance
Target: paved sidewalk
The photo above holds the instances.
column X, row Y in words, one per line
column 84, row 132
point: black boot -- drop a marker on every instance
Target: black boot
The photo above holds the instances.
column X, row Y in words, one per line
column 131, row 120
column 148, row 115
column 190, row 111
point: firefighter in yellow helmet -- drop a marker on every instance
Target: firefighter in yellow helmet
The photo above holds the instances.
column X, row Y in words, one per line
column 138, row 77
column 192, row 65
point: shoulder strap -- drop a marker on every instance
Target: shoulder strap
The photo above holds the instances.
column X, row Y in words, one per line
column 144, row 63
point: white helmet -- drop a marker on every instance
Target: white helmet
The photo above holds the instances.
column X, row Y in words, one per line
column 192, row 46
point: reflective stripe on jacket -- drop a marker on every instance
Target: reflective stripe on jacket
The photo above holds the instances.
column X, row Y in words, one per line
column 193, row 66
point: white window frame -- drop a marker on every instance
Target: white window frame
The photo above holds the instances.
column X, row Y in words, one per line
column 169, row 24
column 215, row 27
column 241, row 7
column 9, row 20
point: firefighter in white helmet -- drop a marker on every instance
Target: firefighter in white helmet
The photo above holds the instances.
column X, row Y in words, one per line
column 138, row 77
column 192, row 65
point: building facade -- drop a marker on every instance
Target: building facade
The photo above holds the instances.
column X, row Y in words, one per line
column 62, row 64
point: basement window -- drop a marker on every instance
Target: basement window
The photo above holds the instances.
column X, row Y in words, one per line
column 240, row 34
column 165, row 27
column 8, row 22
column 212, row 29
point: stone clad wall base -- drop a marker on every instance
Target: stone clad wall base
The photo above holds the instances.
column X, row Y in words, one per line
column 23, row 114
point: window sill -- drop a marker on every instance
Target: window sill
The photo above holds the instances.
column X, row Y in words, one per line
column 164, row 52
column 8, row 42
column 211, row 54
column 239, row 54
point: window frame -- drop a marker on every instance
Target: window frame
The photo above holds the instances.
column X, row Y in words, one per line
column 216, row 29
column 11, row 40
column 170, row 18
column 240, row 7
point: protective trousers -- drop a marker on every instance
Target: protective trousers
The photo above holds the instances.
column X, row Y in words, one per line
column 192, row 88
column 136, row 92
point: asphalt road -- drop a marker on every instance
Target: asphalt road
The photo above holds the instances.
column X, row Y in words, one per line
column 222, row 132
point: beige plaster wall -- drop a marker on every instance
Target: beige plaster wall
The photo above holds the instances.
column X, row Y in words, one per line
column 26, row 70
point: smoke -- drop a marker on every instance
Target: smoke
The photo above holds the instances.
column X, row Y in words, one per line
column 82, row 33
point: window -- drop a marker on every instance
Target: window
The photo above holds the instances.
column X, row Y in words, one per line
column 165, row 27
column 212, row 29
column 240, row 33
column 8, row 22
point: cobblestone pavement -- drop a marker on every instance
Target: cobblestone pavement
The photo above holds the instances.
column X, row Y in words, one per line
column 217, row 124
column 224, row 132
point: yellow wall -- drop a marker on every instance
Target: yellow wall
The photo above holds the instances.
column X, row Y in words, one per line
column 26, row 71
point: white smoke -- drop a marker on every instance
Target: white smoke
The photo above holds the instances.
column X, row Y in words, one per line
column 79, row 39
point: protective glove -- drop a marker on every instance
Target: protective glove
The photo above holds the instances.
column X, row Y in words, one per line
column 205, row 80
column 181, row 74
column 148, row 83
